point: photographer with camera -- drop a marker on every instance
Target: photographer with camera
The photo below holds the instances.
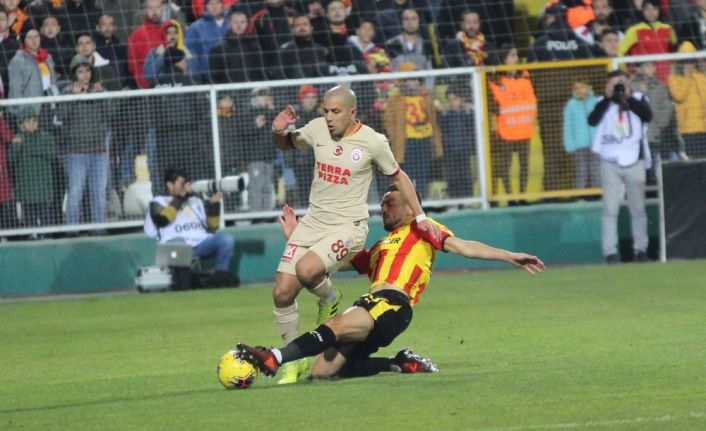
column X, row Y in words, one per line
column 621, row 118
column 181, row 216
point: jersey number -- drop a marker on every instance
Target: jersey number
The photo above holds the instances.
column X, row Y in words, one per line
column 340, row 250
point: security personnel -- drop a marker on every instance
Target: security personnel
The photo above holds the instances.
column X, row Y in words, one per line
column 517, row 112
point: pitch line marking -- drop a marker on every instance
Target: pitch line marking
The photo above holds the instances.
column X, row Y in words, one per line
column 604, row 423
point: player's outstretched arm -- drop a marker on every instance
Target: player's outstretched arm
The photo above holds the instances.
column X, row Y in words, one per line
column 478, row 250
column 281, row 134
column 406, row 188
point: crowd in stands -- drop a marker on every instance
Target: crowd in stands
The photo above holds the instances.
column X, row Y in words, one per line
column 51, row 47
column 237, row 41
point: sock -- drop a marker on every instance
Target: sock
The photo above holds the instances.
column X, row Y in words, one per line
column 367, row 367
column 309, row 344
column 325, row 291
column 278, row 355
column 287, row 321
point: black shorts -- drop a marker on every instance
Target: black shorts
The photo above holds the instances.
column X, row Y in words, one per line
column 392, row 314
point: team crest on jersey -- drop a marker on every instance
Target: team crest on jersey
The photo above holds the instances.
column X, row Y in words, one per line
column 337, row 150
column 356, row 155
column 289, row 252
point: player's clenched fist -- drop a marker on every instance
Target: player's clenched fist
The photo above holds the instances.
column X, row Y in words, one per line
column 284, row 119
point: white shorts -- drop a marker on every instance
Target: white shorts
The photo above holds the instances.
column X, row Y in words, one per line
column 335, row 245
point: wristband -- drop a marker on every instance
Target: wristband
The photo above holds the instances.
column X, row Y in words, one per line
column 420, row 218
column 279, row 132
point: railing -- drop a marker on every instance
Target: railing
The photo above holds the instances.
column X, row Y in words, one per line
column 216, row 131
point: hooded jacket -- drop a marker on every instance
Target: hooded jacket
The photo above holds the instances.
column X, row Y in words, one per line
column 103, row 71
column 689, row 94
column 154, row 62
column 200, row 38
column 577, row 133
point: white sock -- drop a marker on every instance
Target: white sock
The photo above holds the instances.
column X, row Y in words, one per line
column 325, row 291
column 287, row 321
column 278, row 355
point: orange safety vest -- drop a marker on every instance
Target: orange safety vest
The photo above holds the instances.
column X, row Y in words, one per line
column 578, row 15
column 517, row 107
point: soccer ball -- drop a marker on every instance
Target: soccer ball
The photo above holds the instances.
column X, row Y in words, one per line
column 234, row 372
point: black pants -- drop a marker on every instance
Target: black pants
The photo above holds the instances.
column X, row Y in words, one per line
column 503, row 159
column 38, row 214
column 695, row 145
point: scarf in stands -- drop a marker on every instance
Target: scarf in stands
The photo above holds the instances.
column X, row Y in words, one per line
column 339, row 29
column 474, row 47
column 41, row 55
column 20, row 19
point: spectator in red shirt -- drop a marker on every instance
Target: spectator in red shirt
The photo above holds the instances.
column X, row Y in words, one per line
column 143, row 39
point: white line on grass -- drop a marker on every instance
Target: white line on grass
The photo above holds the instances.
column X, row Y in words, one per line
column 605, row 423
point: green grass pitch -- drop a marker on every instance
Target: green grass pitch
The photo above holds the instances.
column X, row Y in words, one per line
column 589, row 347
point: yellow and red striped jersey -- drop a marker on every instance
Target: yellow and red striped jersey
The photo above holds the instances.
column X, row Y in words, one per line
column 403, row 258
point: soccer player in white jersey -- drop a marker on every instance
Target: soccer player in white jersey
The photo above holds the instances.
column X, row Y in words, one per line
column 336, row 224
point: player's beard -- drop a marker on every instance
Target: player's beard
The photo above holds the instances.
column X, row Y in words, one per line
column 391, row 225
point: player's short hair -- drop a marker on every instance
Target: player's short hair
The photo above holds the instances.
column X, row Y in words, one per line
column 394, row 188
column 344, row 92
column 171, row 174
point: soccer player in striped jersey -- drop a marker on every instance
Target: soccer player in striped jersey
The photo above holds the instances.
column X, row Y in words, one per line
column 335, row 227
column 399, row 268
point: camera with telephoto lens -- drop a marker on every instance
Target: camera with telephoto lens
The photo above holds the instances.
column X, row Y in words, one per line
column 229, row 184
column 618, row 92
